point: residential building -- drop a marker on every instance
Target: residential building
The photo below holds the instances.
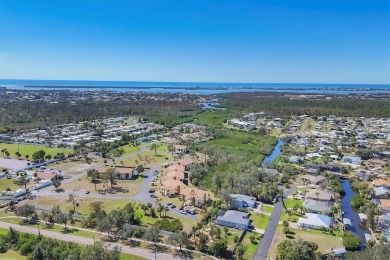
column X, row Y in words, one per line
column 242, row 201
column 234, row 219
column 315, row 221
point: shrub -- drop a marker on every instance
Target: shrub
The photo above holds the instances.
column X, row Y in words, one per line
column 357, row 202
column 351, row 241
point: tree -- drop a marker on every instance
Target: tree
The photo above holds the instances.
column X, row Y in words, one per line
column 296, row 250
column 240, row 251
column 105, row 225
column 127, row 231
column 154, row 146
column 351, row 241
column 378, row 252
column 22, row 180
column 202, row 242
column 153, row 235
column 225, row 196
column 56, row 183
column 38, row 155
column 111, row 175
column 72, row 199
column 218, row 247
column 25, row 210
column 178, row 239
column 93, row 175
column 62, row 219
column 98, row 251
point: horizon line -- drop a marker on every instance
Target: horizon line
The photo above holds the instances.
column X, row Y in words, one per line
column 202, row 82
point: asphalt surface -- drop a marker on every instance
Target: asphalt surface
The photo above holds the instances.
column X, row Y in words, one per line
column 146, row 253
column 265, row 244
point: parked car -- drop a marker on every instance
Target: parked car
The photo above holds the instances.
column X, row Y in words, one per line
column 173, row 206
column 87, row 192
column 151, row 190
column 153, row 196
column 275, row 199
column 183, row 212
column 169, row 203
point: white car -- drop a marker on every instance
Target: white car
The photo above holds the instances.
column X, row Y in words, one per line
column 183, row 212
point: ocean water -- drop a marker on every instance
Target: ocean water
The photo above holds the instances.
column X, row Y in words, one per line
column 195, row 87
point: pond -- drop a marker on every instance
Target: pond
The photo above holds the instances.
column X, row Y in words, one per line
column 350, row 213
column 269, row 159
column 212, row 106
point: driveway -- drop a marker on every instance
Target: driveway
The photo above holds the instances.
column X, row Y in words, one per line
column 265, row 243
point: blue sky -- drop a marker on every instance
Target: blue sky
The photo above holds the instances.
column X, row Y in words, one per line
column 312, row 41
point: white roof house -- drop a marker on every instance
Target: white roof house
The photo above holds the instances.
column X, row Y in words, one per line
column 315, row 221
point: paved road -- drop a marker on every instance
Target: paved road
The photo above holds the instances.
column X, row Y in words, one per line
column 266, row 241
column 148, row 254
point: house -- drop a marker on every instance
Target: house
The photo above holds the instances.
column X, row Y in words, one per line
column 234, row 219
column 311, row 179
column 322, row 195
column 176, row 167
column 381, row 193
column 315, row 221
column 180, row 148
column 340, row 253
column 384, row 205
column 242, row 201
column 296, row 159
column 175, row 175
column 353, row 160
column 363, row 217
column 45, row 175
column 172, row 187
column 381, row 183
column 318, row 206
column 194, row 197
column 186, row 163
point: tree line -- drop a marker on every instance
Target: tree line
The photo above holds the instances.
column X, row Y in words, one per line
column 286, row 105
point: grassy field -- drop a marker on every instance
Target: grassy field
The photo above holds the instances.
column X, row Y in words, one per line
column 259, row 221
column 9, row 183
column 30, row 149
column 108, row 206
column 251, row 247
column 129, row 187
column 74, row 166
column 12, row 255
column 291, row 202
column 124, row 256
column 129, row 149
column 213, row 118
column 147, row 159
column 3, row 231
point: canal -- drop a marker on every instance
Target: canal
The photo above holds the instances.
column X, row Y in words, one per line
column 269, row 159
column 350, row 213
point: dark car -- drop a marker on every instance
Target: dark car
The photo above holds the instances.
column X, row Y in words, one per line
column 173, row 206
column 87, row 192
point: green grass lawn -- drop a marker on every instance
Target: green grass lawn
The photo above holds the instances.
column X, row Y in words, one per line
column 213, row 118
column 230, row 238
column 291, row 202
column 9, row 183
column 12, row 255
column 124, row 256
column 129, row 149
column 268, row 208
column 251, row 248
column 30, row 149
column 3, row 231
column 259, row 220
column 147, row 159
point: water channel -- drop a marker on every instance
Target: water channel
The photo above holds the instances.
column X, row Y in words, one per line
column 350, row 213
column 269, row 159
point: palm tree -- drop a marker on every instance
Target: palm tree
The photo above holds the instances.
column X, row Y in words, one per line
column 154, row 146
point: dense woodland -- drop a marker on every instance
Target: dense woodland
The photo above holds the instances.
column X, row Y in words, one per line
column 22, row 114
column 288, row 105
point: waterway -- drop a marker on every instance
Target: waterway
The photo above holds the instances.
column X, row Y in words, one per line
column 212, row 106
column 350, row 213
column 269, row 159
